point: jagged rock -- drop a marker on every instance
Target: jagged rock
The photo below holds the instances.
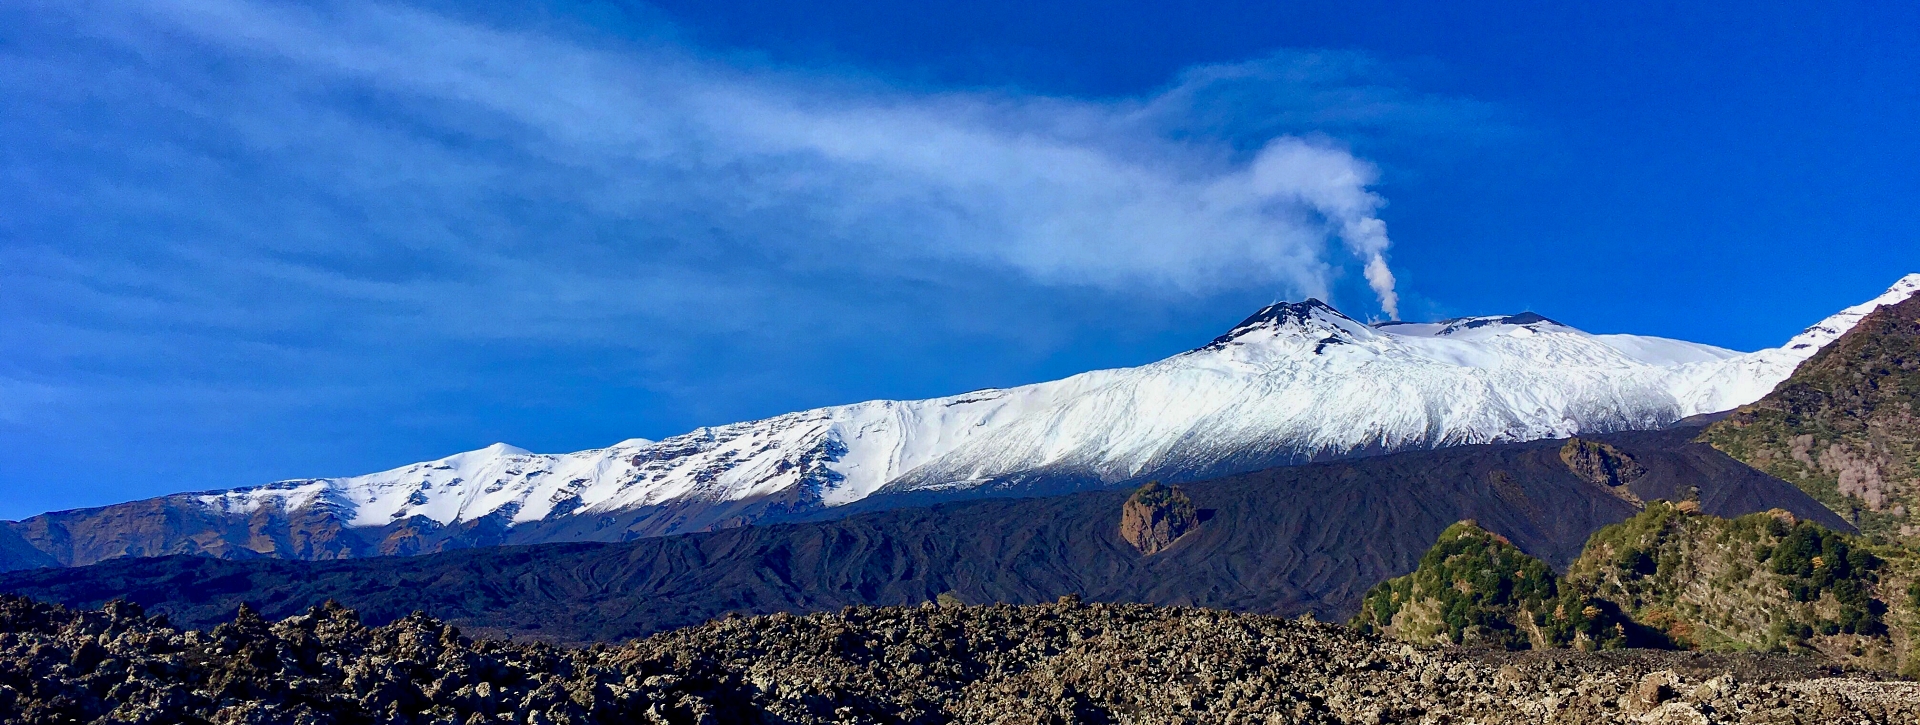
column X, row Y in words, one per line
column 1654, row 689
column 1068, row 662
column 1600, row 463
column 1155, row 516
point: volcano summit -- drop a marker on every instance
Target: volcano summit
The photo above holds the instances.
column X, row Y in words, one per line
column 1294, row 382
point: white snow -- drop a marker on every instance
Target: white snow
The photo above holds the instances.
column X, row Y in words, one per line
column 285, row 495
column 1295, row 379
column 1662, row 351
column 1832, row 328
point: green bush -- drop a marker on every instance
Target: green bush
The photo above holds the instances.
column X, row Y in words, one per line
column 1815, row 560
column 1485, row 590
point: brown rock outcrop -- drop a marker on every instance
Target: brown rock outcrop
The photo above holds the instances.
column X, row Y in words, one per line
column 1600, row 463
column 1155, row 516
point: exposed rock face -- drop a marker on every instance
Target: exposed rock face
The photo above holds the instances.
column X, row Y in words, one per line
column 18, row 553
column 1846, row 426
column 1601, row 463
column 155, row 527
column 1155, row 516
column 184, row 524
column 1058, row 663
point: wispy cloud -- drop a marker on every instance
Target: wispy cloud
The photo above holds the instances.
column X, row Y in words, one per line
column 226, row 194
column 413, row 142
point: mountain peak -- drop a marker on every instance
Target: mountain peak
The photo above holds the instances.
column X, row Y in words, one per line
column 1310, row 317
column 1524, row 318
column 1830, row 329
column 497, row 450
column 1902, row 289
column 1294, row 382
column 1490, row 323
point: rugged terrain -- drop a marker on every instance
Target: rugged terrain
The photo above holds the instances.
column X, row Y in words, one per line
column 1846, row 426
column 1057, row 663
column 1295, row 539
column 1668, row 577
column 1762, row 581
column 1476, row 588
column 1294, row 382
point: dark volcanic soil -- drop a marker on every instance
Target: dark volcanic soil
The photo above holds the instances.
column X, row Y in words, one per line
column 1058, row 663
column 1288, row 540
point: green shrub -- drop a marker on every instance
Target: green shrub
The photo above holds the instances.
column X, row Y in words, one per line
column 1815, row 560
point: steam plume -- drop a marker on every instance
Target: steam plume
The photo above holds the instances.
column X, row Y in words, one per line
column 1334, row 183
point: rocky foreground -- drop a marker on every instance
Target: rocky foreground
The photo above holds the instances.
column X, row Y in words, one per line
column 1056, row 663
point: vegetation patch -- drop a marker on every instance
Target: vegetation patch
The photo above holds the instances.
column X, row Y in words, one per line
column 1845, row 427
column 1476, row 587
column 1667, row 577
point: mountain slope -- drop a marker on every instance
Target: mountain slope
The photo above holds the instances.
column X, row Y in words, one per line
column 1846, row 426
column 1764, row 581
column 1476, row 588
column 1670, row 577
column 1285, row 540
column 1293, row 383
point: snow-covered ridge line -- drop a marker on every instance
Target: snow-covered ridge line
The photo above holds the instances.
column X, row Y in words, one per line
column 1292, row 381
column 1830, row 329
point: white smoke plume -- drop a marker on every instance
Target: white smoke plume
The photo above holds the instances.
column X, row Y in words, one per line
column 1335, row 184
column 650, row 177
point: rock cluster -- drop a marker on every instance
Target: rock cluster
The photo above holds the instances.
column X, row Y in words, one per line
column 1057, row 663
column 1155, row 515
column 1600, row 463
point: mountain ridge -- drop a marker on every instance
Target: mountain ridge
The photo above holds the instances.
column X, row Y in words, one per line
column 1287, row 540
column 1293, row 383
column 1844, row 426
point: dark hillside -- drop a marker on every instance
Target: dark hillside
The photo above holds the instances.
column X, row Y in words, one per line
column 1288, row 540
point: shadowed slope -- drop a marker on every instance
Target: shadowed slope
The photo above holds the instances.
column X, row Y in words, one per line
column 1294, row 383
column 1308, row 538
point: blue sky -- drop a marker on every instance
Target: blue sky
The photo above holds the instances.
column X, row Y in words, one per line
column 245, row 241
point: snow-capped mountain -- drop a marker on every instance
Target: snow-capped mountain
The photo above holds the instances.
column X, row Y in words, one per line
column 1294, row 382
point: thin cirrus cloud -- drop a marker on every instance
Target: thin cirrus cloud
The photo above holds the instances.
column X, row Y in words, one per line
column 1061, row 191
column 297, row 175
